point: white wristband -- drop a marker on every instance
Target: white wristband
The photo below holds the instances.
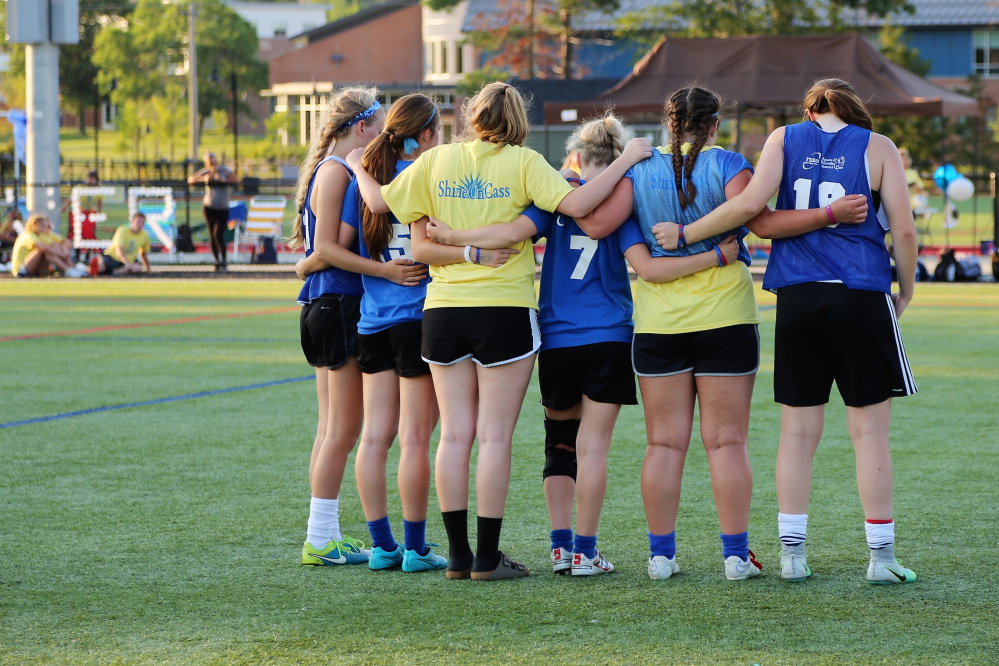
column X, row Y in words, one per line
column 468, row 253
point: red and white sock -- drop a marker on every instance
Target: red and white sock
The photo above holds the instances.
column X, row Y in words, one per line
column 880, row 533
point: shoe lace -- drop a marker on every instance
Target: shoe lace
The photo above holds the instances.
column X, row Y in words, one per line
column 351, row 543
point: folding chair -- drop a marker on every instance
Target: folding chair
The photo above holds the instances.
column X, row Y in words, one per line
column 264, row 217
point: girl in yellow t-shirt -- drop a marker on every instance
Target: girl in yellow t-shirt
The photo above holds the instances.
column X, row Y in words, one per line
column 480, row 331
column 38, row 251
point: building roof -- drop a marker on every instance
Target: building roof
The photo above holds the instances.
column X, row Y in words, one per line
column 354, row 20
column 770, row 72
column 939, row 13
column 928, row 13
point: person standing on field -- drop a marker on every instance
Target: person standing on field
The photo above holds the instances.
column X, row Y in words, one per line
column 219, row 180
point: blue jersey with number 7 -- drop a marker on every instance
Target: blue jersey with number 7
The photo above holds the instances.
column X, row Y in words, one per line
column 385, row 303
column 585, row 292
column 820, row 167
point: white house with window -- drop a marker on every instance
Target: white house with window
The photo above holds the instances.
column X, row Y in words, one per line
column 447, row 54
column 280, row 19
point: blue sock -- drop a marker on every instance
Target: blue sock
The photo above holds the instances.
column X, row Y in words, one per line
column 735, row 544
column 561, row 539
column 663, row 544
column 381, row 534
column 415, row 535
column 587, row 545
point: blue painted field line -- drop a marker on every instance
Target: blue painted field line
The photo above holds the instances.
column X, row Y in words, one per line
column 146, row 403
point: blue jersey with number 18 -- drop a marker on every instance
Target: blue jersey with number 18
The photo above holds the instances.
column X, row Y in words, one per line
column 385, row 303
column 820, row 167
column 585, row 292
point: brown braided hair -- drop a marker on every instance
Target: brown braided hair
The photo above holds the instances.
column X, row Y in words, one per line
column 838, row 97
column 342, row 107
column 407, row 118
column 691, row 111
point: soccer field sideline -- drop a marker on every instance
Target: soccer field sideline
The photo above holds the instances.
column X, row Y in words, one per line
column 184, row 517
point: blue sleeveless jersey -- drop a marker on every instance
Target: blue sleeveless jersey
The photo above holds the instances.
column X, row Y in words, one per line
column 332, row 280
column 656, row 198
column 585, row 292
column 385, row 303
column 820, row 167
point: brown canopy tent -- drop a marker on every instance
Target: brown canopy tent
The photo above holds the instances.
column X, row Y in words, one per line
column 767, row 75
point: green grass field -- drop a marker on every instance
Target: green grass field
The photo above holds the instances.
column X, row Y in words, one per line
column 170, row 532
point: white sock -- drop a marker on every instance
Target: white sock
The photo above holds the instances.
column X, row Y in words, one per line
column 792, row 528
column 324, row 522
column 880, row 535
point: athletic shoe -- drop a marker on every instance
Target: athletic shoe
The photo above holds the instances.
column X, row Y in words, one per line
column 662, row 567
column 584, row 566
column 737, row 568
column 413, row 561
column 334, row 554
column 793, row 566
column 71, row 272
column 385, row 559
column 888, row 572
column 95, row 265
column 82, row 267
column 561, row 561
column 507, row 568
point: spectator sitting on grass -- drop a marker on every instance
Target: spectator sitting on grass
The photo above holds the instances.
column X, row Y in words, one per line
column 129, row 246
column 8, row 234
column 38, row 251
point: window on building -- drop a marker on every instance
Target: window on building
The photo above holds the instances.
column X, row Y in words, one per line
column 987, row 52
column 459, row 59
column 280, row 29
column 444, row 58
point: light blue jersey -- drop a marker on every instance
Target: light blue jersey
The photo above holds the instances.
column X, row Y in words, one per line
column 656, row 198
column 385, row 303
column 585, row 293
column 332, row 280
column 820, row 167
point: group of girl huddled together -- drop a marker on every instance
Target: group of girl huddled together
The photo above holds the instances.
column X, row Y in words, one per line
column 381, row 200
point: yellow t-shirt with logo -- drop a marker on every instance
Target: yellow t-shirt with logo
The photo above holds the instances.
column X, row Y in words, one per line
column 129, row 242
column 23, row 246
column 51, row 238
column 470, row 185
column 712, row 298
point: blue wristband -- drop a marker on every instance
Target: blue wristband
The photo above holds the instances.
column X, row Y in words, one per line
column 478, row 256
column 681, row 240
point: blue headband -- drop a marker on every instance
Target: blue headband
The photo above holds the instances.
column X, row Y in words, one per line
column 363, row 115
column 409, row 144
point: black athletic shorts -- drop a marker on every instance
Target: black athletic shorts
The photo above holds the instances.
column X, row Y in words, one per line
column 488, row 336
column 729, row 351
column 600, row 371
column 396, row 348
column 110, row 265
column 329, row 330
column 828, row 332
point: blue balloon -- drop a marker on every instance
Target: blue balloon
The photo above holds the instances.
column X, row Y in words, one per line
column 945, row 175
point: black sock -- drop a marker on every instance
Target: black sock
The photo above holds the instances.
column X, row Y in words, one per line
column 487, row 555
column 459, row 552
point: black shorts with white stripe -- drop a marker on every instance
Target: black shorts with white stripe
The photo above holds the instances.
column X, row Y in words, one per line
column 489, row 336
column 827, row 332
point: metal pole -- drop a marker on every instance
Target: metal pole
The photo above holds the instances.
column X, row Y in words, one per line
column 42, row 76
column 192, row 85
column 235, row 120
column 97, row 124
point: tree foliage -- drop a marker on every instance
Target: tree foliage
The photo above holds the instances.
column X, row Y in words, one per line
column 146, row 57
column 542, row 47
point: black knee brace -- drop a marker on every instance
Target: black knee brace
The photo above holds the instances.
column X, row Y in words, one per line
column 559, row 460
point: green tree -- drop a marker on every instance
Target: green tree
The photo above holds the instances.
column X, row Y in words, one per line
column 147, row 56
